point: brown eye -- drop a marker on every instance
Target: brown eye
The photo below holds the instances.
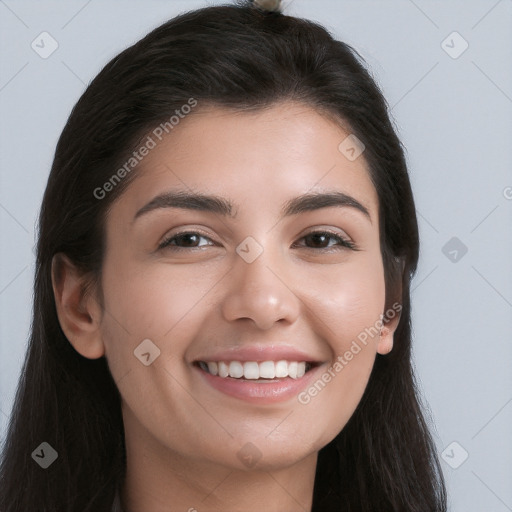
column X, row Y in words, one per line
column 323, row 239
column 189, row 239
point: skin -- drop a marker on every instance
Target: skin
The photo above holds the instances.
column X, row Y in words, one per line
column 183, row 436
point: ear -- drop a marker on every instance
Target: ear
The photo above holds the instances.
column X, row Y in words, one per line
column 78, row 311
column 391, row 318
column 389, row 325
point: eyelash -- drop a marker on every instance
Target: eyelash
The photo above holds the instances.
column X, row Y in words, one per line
column 343, row 242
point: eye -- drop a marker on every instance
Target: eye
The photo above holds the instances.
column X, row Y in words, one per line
column 322, row 239
column 183, row 241
column 318, row 240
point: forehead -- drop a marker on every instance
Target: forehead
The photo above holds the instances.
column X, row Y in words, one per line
column 260, row 159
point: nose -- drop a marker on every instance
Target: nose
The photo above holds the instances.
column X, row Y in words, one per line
column 262, row 292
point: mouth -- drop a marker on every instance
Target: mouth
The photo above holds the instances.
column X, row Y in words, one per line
column 264, row 371
column 258, row 382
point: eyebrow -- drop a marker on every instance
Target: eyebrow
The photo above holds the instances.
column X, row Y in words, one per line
column 221, row 206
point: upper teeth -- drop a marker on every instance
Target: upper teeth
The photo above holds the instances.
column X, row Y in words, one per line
column 254, row 370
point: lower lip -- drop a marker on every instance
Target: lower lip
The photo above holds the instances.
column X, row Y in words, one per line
column 279, row 390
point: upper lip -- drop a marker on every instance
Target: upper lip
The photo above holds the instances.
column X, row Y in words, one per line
column 259, row 354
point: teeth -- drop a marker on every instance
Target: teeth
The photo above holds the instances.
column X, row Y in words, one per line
column 281, row 369
column 267, row 370
column 223, row 369
column 252, row 370
column 236, row 369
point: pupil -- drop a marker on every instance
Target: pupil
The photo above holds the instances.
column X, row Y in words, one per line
column 189, row 239
column 319, row 238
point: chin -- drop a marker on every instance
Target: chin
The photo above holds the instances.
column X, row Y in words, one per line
column 273, row 455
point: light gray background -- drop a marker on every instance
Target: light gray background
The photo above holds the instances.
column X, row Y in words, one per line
column 454, row 116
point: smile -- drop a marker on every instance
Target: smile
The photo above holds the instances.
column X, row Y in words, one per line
column 261, row 383
column 252, row 370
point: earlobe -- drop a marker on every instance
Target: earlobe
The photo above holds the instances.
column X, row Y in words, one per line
column 78, row 311
column 385, row 344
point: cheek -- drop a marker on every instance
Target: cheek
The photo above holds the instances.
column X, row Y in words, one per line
column 347, row 308
column 347, row 299
column 163, row 303
column 152, row 300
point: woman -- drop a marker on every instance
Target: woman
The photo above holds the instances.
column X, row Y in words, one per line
column 222, row 309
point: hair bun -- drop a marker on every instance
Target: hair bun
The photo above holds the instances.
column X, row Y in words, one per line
column 268, row 5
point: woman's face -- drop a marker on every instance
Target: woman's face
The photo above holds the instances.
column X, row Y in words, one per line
column 243, row 278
